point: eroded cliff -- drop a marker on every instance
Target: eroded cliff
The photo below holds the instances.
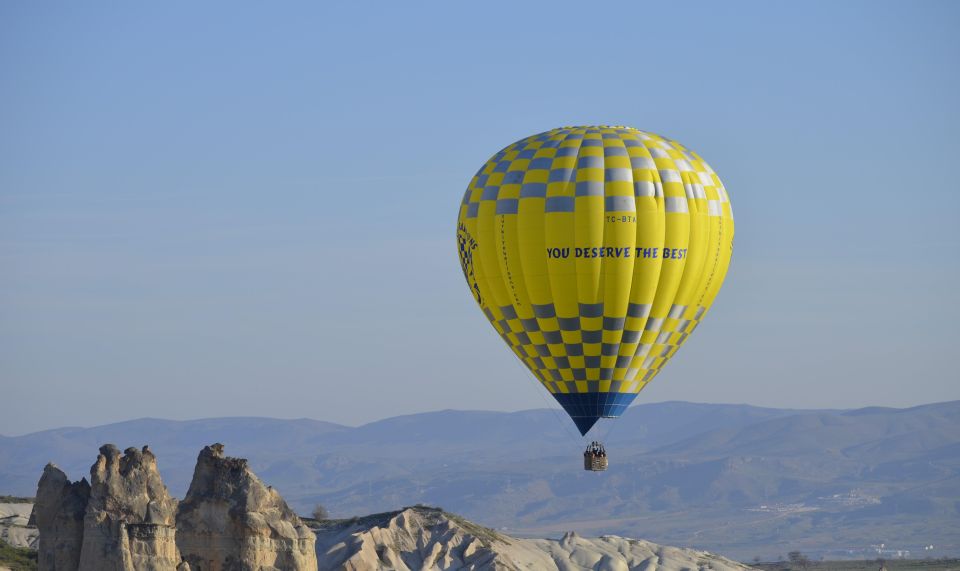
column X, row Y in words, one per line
column 126, row 520
column 230, row 520
column 427, row 538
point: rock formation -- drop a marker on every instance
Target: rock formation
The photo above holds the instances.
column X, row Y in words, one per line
column 15, row 527
column 427, row 538
column 125, row 520
column 129, row 522
column 414, row 538
column 58, row 514
column 230, row 521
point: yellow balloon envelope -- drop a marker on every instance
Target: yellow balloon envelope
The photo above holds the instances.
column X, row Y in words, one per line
column 595, row 252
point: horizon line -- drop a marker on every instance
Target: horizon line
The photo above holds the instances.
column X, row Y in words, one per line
column 447, row 410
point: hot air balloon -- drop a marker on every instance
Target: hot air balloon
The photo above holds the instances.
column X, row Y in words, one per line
column 595, row 252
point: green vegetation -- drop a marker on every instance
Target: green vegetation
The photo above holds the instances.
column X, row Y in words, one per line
column 319, row 513
column 17, row 558
column 798, row 560
column 15, row 500
column 866, row 565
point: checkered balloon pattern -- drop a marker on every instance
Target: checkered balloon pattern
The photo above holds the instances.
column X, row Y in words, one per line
column 595, row 252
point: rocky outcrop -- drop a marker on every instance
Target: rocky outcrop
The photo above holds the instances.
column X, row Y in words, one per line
column 58, row 514
column 125, row 520
column 413, row 538
column 231, row 521
column 15, row 527
column 427, row 538
column 130, row 518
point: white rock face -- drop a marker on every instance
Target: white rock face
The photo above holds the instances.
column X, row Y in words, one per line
column 59, row 512
column 129, row 521
column 231, row 521
column 125, row 520
column 426, row 538
column 14, row 528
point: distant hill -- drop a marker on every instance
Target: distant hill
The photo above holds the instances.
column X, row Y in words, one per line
column 734, row 479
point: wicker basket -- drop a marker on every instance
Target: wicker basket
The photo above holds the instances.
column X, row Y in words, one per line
column 594, row 462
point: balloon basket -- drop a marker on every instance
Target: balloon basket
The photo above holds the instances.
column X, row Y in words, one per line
column 594, row 462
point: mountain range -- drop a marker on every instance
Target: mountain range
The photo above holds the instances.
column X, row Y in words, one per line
column 737, row 480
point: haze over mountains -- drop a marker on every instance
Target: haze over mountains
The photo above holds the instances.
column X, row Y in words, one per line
column 734, row 479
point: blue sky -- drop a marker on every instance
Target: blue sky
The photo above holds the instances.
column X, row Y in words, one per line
column 248, row 208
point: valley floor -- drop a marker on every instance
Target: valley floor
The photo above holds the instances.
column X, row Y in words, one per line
column 869, row 565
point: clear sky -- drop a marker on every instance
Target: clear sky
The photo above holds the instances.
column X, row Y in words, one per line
column 248, row 208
